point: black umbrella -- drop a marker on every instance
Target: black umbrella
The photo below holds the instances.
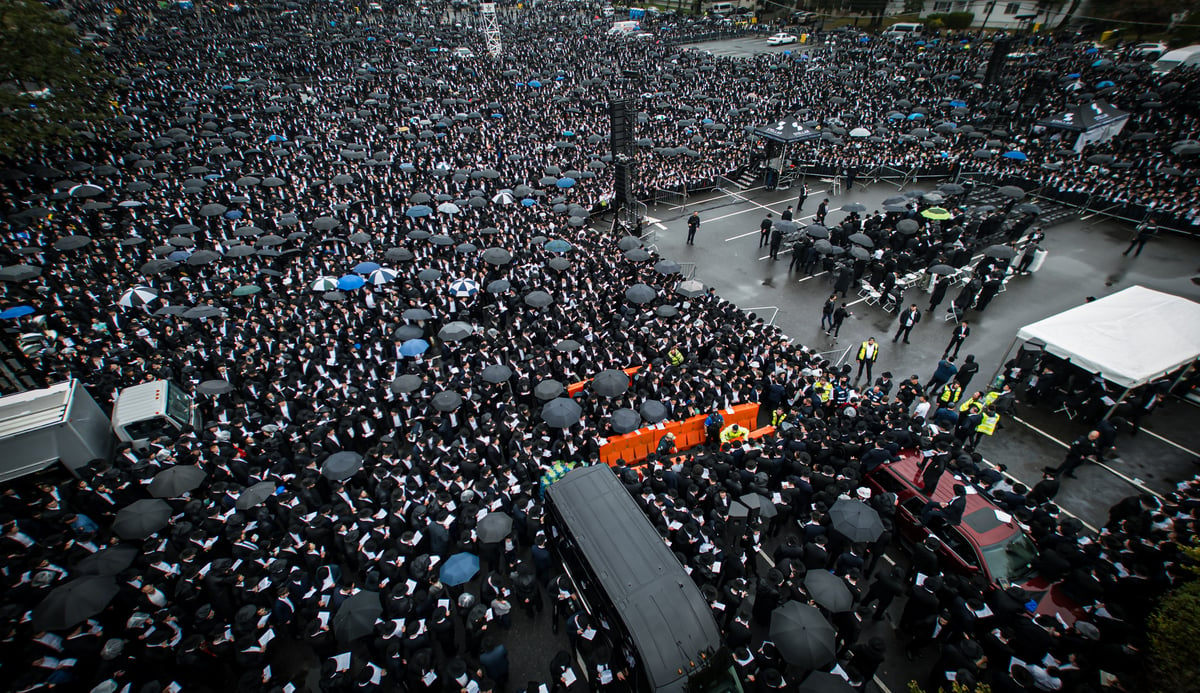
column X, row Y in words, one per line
column 255, row 495
column 416, row 314
column 538, row 299
column 142, row 518
column 855, row 520
column 72, row 242
column 629, row 243
column 610, row 383
column 828, row 590
column 496, row 373
column 640, row 293
column 1000, row 252
column 654, row 411
column 637, row 255
column 1011, row 191
column 446, row 401
column 214, row 387
column 908, row 226
column 19, row 273
column 76, row 601
column 498, row 286
column 341, row 465
column 859, row 253
column 824, row 682
column 666, row 267
column 567, row 345
column 816, row 231
column 496, row 256
column 625, row 420
column 406, row 383
column 804, row 638
column 941, row 269
column 456, row 331
column 861, row 239
column 561, row 412
column 108, row 561
column 854, row 207
column 548, row 390
column 766, row 508
column 176, row 481
column 356, row 617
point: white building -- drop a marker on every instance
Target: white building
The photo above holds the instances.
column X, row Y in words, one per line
column 997, row 14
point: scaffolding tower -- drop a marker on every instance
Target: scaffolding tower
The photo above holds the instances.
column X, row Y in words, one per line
column 491, row 28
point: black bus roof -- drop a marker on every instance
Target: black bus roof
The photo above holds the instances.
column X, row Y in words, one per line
column 666, row 615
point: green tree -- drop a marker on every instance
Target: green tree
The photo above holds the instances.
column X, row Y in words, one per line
column 1146, row 16
column 48, row 78
column 1175, row 633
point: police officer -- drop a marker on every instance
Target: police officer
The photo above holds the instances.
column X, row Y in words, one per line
column 868, row 352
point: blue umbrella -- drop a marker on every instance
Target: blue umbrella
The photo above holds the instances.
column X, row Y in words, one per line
column 459, row 569
column 351, row 282
column 1092, row 51
column 565, row 182
column 1074, row 75
column 896, row 116
column 233, row 214
column 1019, row 156
column 568, row 133
column 417, row 211
column 535, row 84
column 365, row 267
column 916, row 116
column 179, row 255
column 1105, row 84
column 16, row 312
column 414, row 347
column 558, row 245
column 528, row 202
column 956, row 103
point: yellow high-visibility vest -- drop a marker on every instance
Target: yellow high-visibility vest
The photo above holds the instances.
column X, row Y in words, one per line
column 988, row 425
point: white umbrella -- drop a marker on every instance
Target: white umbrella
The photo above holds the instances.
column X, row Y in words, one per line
column 381, row 276
column 860, row 132
column 137, row 297
column 448, row 208
column 503, row 198
column 463, row 288
column 324, row 284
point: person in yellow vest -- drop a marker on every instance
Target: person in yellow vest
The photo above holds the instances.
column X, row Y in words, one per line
column 975, row 399
column 733, row 433
column 778, row 416
column 868, row 351
column 824, row 390
column 675, row 356
column 986, row 427
column 951, row 393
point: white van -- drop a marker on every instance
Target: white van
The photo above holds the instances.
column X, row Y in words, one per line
column 902, row 30
column 723, row 8
column 1188, row 55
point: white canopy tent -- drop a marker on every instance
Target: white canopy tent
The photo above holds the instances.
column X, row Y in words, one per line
column 1129, row 338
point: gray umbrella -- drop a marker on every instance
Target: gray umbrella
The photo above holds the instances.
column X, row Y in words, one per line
column 214, row 387
column 493, row 527
column 498, row 286
column 548, row 390
column 854, row 207
column 1011, row 191
column 496, row 373
column 72, row 242
column 76, row 601
column 142, row 518
column 173, row 482
column 861, row 239
column 640, row 293
column 654, row 411
column 690, row 288
column 108, row 561
column 341, row 465
column 255, row 495
column 629, row 243
column 406, row 383
column 213, row 210
column 429, row 275
column 538, row 299
column 625, row 420
column 561, row 412
column 456, row 331
column 416, row 314
column 496, row 256
column 637, row 255
column 855, row 520
column 765, row 507
column 356, row 617
column 446, row 401
column 19, row 273
column 829, row 591
column 908, row 226
column 610, row 383
column 666, row 267
column 398, row 254
column 1000, row 252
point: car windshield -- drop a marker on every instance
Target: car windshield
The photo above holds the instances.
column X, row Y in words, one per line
column 1011, row 561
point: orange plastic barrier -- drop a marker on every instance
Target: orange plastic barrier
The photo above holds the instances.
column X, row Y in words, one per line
column 575, row 388
column 760, row 432
column 636, row 446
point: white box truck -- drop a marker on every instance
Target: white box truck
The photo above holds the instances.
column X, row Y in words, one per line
column 62, row 423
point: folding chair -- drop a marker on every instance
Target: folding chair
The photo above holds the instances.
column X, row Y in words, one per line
column 864, row 288
column 873, row 297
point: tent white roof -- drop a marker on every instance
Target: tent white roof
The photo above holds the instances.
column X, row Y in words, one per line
column 1129, row 338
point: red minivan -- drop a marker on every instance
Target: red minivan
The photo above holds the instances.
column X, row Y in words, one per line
column 987, row 540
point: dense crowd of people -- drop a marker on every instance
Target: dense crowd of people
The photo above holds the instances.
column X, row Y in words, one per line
column 307, row 206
